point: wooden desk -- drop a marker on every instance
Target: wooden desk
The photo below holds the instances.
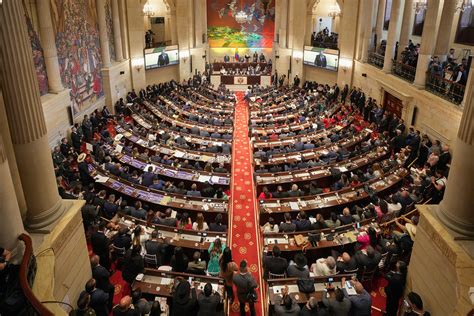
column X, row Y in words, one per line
column 172, row 172
column 343, row 235
column 275, row 287
column 318, row 173
column 339, row 198
column 190, row 138
column 228, row 102
column 155, row 197
column 217, row 107
column 180, row 153
column 308, row 154
column 189, row 239
column 182, row 123
column 216, row 66
column 160, row 283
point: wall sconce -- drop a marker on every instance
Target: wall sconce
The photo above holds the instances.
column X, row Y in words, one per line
column 297, row 55
column 184, row 55
column 345, row 63
column 137, row 63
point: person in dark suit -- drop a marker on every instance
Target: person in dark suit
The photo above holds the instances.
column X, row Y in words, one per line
column 154, row 247
column 298, row 268
column 244, row 282
column 369, row 260
column 101, row 276
column 274, row 263
column 217, row 225
column 163, row 59
column 83, row 167
column 148, row 176
column 124, row 308
column 133, row 265
column 100, row 246
column 76, row 139
column 184, row 300
column 123, row 239
column 320, row 60
column 208, row 302
column 99, row 299
column 395, row 287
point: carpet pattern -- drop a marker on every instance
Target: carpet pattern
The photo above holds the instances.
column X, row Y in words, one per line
column 244, row 231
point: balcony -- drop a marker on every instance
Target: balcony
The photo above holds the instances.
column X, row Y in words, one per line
column 444, row 88
column 404, row 71
column 376, row 60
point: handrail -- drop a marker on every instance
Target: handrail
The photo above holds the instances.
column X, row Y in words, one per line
column 25, row 286
column 404, row 71
column 444, row 88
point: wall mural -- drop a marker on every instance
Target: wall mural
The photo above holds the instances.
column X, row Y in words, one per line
column 226, row 27
column 110, row 31
column 77, row 42
column 38, row 55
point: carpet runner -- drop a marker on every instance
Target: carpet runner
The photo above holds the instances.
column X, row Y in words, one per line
column 244, row 227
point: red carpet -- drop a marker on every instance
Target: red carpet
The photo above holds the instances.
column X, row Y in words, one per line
column 244, row 228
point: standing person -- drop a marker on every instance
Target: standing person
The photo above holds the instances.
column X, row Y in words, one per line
column 208, row 302
column 227, row 269
column 394, row 289
column 296, row 81
column 413, row 305
column 361, row 302
column 245, row 284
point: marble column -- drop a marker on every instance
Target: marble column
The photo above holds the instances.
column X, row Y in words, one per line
column 117, row 31
column 283, row 23
column 367, row 35
column 407, row 27
column 123, row 28
column 392, row 36
column 455, row 211
column 48, row 42
column 445, row 24
column 11, row 225
column 379, row 22
column 427, row 43
column 103, row 36
column 26, row 119
column 173, row 29
column 199, row 7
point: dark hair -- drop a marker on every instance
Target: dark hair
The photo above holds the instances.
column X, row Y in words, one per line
column 287, row 301
column 300, row 259
column 276, row 251
column 287, row 216
column 83, row 300
column 155, row 309
column 136, row 295
column 207, row 289
column 90, row 285
column 415, row 299
column 225, row 259
column 218, row 219
column 374, row 238
column 243, row 264
column 339, row 295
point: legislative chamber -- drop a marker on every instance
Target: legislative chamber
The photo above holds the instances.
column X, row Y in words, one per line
column 236, row 157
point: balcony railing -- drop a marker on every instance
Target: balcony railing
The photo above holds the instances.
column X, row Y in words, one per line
column 444, row 88
column 404, row 71
column 376, row 60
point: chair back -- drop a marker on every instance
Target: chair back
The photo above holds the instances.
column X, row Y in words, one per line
column 118, row 251
column 276, row 275
column 151, row 260
column 165, row 268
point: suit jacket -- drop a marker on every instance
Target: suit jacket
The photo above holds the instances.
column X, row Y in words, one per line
column 244, row 283
column 101, row 276
column 275, row 265
column 208, row 304
column 100, row 244
column 99, row 302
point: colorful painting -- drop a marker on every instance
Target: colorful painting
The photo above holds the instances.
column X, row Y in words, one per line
column 38, row 56
column 78, row 45
column 244, row 23
column 110, row 30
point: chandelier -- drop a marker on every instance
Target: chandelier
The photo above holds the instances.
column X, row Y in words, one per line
column 334, row 10
column 464, row 5
column 241, row 17
column 148, row 10
column 420, row 5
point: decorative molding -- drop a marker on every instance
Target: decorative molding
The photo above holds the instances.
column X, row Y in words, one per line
column 466, row 127
column 3, row 154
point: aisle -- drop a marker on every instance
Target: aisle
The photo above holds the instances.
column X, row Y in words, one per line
column 244, row 227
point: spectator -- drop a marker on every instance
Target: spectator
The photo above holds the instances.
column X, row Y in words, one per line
column 179, row 261
column 284, row 305
column 339, row 305
column 208, row 301
column 133, row 265
column 274, row 263
column 184, row 300
column 245, row 283
column 299, row 267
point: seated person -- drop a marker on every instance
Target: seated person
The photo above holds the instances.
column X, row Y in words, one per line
column 346, row 217
column 302, row 222
column 217, row 225
column 274, row 263
column 346, row 263
column 295, row 191
column 299, row 267
column 200, row 224
column 270, row 226
column 197, row 266
column 324, row 266
column 123, row 239
column 333, row 221
column 287, row 226
column 368, row 259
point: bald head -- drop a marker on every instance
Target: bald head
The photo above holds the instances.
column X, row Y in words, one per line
column 125, row 302
column 346, row 211
column 95, row 261
column 346, row 257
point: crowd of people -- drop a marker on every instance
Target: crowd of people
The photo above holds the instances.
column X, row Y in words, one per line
column 324, row 39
